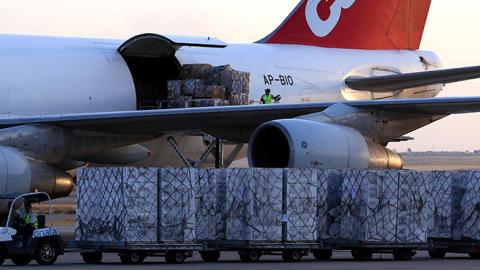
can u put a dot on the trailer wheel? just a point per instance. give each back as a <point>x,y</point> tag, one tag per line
<point>292,255</point>
<point>322,254</point>
<point>250,255</point>
<point>403,254</point>
<point>474,255</point>
<point>46,253</point>
<point>92,257</point>
<point>437,254</point>
<point>362,254</point>
<point>210,256</point>
<point>132,257</point>
<point>175,257</point>
<point>21,259</point>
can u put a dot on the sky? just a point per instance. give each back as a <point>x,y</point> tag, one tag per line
<point>452,32</point>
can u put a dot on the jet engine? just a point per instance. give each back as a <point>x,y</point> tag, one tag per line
<point>18,173</point>
<point>296,143</point>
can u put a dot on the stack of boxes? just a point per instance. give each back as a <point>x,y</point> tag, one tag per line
<point>205,86</point>
<point>177,206</point>
<point>369,202</point>
<point>301,203</point>
<point>147,205</point>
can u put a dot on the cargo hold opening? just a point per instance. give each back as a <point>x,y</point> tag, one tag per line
<point>152,63</point>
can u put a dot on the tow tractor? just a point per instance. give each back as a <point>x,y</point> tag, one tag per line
<point>45,244</point>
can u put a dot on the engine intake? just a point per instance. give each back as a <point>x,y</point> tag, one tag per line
<point>296,143</point>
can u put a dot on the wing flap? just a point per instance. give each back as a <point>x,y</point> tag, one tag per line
<point>411,80</point>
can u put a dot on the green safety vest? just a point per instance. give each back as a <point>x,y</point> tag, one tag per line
<point>26,220</point>
<point>267,99</point>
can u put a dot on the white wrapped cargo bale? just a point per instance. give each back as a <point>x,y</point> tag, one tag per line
<point>197,71</point>
<point>329,201</point>
<point>447,190</point>
<point>235,82</point>
<point>413,211</point>
<point>174,89</point>
<point>253,204</point>
<point>265,220</point>
<point>239,99</point>
<point>207,102</point>
<point>302,191</point>
<point>211,91</point>
<point>369,201</point>
<point>177,204</point>
<point>190,87</point>
<point>117,204</point>
<point>210,201</point>
<point>470,219</point>
<point>238,204</point>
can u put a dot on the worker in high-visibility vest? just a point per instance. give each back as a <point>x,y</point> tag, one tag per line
<point>267,98</point>
<point>30,223</point>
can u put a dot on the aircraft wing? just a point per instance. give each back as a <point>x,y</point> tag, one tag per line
<point>237,119</point>
<point>412,80</point>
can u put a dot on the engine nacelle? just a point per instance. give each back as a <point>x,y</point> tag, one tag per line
<point>21,174</point>
<point>296,143</point>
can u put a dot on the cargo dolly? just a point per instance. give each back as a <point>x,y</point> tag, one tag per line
<point>92,252</point>
<point>364,250</point>
<point>438,247</point>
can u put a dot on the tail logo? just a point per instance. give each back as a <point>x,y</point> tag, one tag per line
<point>323,15</point>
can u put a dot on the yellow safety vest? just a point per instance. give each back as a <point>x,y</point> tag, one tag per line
<point>26,220</point>
<point>267,99</point>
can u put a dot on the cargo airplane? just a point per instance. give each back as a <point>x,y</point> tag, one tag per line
<point>350,73</point>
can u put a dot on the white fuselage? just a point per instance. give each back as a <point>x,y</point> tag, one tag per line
<point>50,75</point>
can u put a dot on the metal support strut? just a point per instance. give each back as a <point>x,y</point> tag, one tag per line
<point>215,146</point>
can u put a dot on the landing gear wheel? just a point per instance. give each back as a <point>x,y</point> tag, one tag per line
<point>362,254</point>
<point>132,257</point>
<point>175,257</point>
<point>92,257</point>
<point>46,253</point>
<point>210,256</point>
<point>322,254</point>
<point>437,254</point>
<point>21,259</point>
<point>403,254</point>
<point>474,255</point>
<point>292,255</point>
<point>250,255</point>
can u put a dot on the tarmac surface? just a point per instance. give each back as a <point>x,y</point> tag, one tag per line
<point>230,261</point>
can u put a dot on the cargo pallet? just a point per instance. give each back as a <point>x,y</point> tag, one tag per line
<point>249,251</point>
<point>364,250</point>
<point>439,247</point>
<point>92,252</point>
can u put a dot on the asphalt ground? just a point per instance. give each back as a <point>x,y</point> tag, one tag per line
<point>230,261</point>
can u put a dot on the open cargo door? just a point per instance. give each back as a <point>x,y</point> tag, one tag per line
<point>152,62</point>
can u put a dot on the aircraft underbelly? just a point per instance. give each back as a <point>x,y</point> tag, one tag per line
<point>163,155</point>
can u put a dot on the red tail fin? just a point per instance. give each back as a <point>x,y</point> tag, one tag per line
<point>355,24</point>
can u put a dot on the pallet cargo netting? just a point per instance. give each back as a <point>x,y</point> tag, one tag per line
<point>159,205</point>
